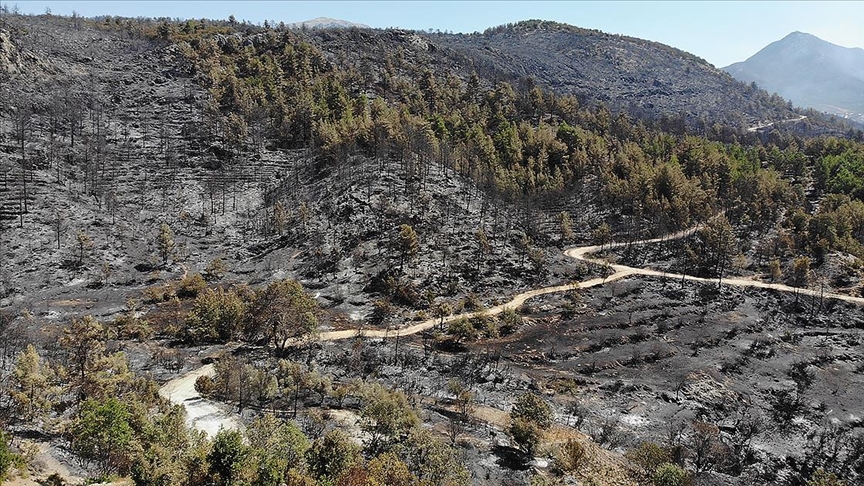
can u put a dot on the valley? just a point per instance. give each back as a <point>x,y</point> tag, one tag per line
<point>235,254</point>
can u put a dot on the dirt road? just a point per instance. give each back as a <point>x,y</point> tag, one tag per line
<point>621,271</point>
<point>205,415</point>
<point>771,124</point>
<point>208,416</point>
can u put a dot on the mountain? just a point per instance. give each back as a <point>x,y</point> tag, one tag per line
<point>810,72</point>
<point>325,23</point>
<point>644,78</point>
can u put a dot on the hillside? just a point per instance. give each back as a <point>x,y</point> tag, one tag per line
<point>641,77</point>
<point>142,157</point>
<point>422,266</point>
<point>810,72</point>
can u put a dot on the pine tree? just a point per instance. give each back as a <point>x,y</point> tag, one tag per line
<point>407,244</point>
<point>85,246</point>
<point>165,242</point>
<point>30,384</point>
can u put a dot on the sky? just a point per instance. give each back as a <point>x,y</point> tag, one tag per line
<point>721,32</point>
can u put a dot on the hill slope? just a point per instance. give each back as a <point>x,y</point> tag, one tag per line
<point>122,131</point>
<point>642,77</point>
<point>810,72</point>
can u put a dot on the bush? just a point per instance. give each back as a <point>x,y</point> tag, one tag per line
<point>472,302</point>
<point>646,459</point>
<point>191,286</point>
<point>462,330</point>
<point>204,385</point>
<point>215,270</point>
<point>215,316</point>
<point>102,435</point>
<point>526,434</point>
<point>331,455</point>
<point>54,480</point>
<point>510,322</point>
<point>405,293</point>
<point>227,457</point>
<point>543,480</point>
<point>822,478</point>
<point>533,408</point>
<point>530,416</point>
<point>157,294</point>
<point>130,327</point>
<point>785,405</point>
<point>669,475</point>
<point>571,457</point>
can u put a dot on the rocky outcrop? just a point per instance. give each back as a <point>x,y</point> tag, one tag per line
<point>15,61</point>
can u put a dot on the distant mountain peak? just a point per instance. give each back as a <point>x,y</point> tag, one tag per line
<point>810,72</point>
<point>799,38</point>
<point>326,23</point>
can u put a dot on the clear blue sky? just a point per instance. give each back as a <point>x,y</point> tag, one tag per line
<point>721,32</point>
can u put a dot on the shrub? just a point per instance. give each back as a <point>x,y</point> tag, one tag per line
<point>472,302</point>
<point>215,316</point>
<point>215,270</point>
<point>102,435</point>
<point>227,457</point>
<point>510,322</point>
<point>331,455</point>
<point>191,286</point>
<point>525,434</point>
<point>785,405</point>
<point>533,408</point>
<point>158,293</point>
<point>462,330</point>
<point>646,459</point>
<point>130,327</point>
<point>530,416</point>
<point>822,478</point>
<point>669,475</point>
<point>204,385</point>
<point>571,457</point>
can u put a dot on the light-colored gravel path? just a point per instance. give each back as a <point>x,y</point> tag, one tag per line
<point>205,415</point>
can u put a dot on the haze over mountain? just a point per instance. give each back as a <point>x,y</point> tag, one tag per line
<point>326,23</point>
<point>810,72</point>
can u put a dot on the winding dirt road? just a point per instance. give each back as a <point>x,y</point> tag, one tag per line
<point>621,271</point>
<point>209,416</point>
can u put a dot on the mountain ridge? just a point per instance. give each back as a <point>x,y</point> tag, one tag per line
<point>641,77</point>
